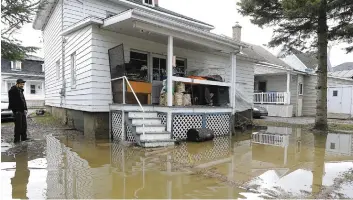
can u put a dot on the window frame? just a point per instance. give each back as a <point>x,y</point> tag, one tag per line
<point>11,83</point>
<point>147,4</point>
<point>300,89</point>
<point>32,89</point>
<point>73,69</point>
<point>14,65</point>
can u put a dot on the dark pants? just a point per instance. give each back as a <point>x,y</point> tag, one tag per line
<point>20,126</point>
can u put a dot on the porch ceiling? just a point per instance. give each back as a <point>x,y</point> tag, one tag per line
<point>129,24</point>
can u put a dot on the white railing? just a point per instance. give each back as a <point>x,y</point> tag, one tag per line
<point>124,78</point>
<point>269,139</point>
<point>271,98</point>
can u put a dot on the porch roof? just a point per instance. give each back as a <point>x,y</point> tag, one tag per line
<point>154,27</point>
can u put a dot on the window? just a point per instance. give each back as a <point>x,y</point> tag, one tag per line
<point>137,69</point>
<point>332,145</point>
<point>300,88</point>
<point>180,68</point>
<point>159,69</point>
<point>148,2</point>
<point>73,69</point>
<point>57,64</point>
<point>10,84</point>
<point>33,89</point>
<point>16,65</point>
<point>335,93</point>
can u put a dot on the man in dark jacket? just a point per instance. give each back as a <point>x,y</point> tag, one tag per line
<point>17,103</point>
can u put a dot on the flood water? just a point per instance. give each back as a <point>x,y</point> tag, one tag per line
<point>277,163</point>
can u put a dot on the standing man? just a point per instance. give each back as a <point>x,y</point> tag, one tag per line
<point>18,105</point>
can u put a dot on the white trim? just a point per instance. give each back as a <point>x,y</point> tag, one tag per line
<point>203,82</point>
<point>4,73</point>
<point>81,24</point>
<point>300,61</point>
<point>73,69</point>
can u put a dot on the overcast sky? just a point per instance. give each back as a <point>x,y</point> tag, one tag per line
<point>220,13</point>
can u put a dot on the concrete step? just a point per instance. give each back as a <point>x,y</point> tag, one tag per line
<point>143,115</point>
<point>155,136</point>
<point>146,121</point>
<point>150,129</point>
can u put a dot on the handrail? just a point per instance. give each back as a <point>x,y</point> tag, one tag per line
<point>138,101</point>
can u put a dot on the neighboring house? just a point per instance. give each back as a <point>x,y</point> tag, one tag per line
<point>78,35</point>
<point>343,66</point>
<point>344,70</point>
<point>308,64</point>
<point>31,70</point>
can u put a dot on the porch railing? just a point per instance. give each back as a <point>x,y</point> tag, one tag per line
<point>124,78</point>
<point>269,139</point>
<point>271,98</point>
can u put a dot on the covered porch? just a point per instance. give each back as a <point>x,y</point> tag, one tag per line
<point>190,56</point>
<point>273,89</point>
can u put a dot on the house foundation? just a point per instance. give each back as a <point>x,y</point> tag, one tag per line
<point>94,125</point>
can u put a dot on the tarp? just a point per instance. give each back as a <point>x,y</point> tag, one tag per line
<point>241,102</point>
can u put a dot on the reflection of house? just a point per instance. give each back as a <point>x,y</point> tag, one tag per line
<point>31,70</point>
<point>339,144</point>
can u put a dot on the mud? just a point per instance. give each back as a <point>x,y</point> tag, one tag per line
<point>274,162</point>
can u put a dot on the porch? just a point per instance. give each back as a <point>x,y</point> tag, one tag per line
<point>137,96</point>
<point>275,89</point>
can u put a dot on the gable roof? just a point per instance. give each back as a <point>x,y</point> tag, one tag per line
<point>342,74</point>
<point>34,58</point>
<point>343,66</point>
<point>266,56</point>
<point>161,9</point>
<point>308,60</point>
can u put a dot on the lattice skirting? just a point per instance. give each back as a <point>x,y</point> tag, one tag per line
<point>181,123</point>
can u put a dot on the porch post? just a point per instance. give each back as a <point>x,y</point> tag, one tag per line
<point>170,71</point>
<point>233,65</point>
<point>170,82</point>
<point>288,88</point>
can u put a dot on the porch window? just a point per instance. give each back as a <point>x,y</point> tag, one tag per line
<point>180,67</point>
<point>33,89</point>
<point>137,69</point>
<point>73,69</point>
<point>159,69</point>
<point>300,89</point>
<point>148,2</point>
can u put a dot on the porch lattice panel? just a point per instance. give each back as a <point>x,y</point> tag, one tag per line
<point>163,118</point>
<point>183,122</point>
<point>117,120</point>
<point>219,123</point>
<point>129,136</point>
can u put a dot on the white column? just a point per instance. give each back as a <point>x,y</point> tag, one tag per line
<point>288,87</point>
<point>170,71</point>
<point>233,65</point>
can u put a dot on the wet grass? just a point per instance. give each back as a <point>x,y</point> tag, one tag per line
<point>333,127</point>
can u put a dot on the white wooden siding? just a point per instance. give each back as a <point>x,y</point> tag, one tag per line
<point>309,98</point>
<point>52,53</point>
<point>75,11</point>
<point>245,79</point>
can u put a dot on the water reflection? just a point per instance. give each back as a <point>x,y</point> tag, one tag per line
<point>20,180</point>
<point>273,162</point>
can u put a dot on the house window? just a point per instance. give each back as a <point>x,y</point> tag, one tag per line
<point>33,89</point>
<point>332,145</point>
<point>180,68</point>
<point>73,69</point>
<point>148,2</point>
<point>300,89</point>
<point>137,68</point>
<point>57,64</point>
<point>9,85</point>
<point>335,93</point>
<point>159,69</point>
<point>16,65</point>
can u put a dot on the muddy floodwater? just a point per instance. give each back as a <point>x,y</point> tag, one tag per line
<point>271,162</point>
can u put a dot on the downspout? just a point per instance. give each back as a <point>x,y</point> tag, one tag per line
<point>63,87</point>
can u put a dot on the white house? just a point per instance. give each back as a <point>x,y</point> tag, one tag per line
<point>140,34</point>
<point>32,71</point>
